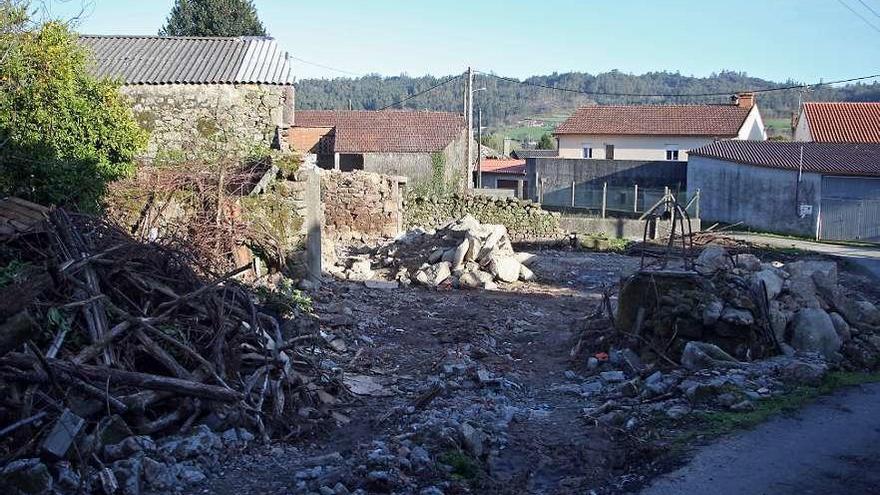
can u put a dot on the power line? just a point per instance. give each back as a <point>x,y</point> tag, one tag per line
<point>860,16</point>
<point>871,9</point>
<point>342,71</point>
<point>670,95</point>
<point>432,88</point>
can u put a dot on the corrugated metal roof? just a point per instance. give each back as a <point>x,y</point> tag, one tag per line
<point>189,60</point>
<point>847,159</point>
<point>843,122</point>
<point>667,120</point>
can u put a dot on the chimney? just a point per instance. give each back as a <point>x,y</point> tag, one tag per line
<point>508,147</point>
<point>745,100</point>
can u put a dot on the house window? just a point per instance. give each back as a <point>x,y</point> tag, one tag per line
<point>609,152</point>
<point>588,152</point>
<point>672,154</point>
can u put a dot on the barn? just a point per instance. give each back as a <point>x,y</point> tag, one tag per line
<point>819,190</point>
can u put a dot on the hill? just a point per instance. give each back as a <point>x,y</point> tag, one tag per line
<point>505,102</point>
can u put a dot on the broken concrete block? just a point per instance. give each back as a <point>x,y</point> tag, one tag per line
<point>713,259</point>
<point>63,434</point>
<point>525,274</point>
<point>505,268</point>
<point>700,355</point>
<point>381,284</point>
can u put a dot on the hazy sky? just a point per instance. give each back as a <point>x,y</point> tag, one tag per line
<point>806,40</point>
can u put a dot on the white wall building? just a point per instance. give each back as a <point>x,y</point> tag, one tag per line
<point>656,132</point>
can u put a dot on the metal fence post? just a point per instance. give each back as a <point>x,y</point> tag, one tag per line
<point>636,199</point>
<point>697,206</point>
<point>604,197</point>
<point>572,193</point>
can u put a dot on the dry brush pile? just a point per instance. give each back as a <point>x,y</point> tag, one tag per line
<point>99,328</point>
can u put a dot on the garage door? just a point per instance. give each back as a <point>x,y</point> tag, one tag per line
<point>850,209</point>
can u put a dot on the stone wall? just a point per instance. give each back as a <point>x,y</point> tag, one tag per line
<point>524,219</point>
<point>361,205</point>
<point>192,117</point>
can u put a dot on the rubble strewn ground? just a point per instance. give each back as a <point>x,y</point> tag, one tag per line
<point>588,375</point>
<point>530,388</point>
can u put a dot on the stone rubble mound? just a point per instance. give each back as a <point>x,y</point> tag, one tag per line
<point>463,253</point>
<point>738,308</point>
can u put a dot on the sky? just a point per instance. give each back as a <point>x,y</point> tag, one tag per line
<point>802,40</point>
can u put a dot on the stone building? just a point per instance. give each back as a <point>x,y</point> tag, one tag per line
<point>197,92</point>
<point>421,146</point>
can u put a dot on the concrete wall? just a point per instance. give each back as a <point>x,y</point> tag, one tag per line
<point>621,228</point>
<point>419,167</point>
<point>557,175</point>
<point>759,197</point>
<point>630,147</point>
<point>189,117</point>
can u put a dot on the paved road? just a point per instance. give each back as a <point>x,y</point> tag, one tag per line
<point>866,257</point>
<point>831,448</point>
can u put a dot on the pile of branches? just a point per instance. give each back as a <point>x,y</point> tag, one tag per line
<point>100,325</point>
<point>195,201</point>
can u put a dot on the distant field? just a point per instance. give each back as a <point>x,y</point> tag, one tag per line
<point>778,127</point>
<point>527,133</point>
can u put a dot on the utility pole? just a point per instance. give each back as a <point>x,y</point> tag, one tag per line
<point>480,149</point>
<point>469,97</point>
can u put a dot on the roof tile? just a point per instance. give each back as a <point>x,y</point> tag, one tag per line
<point>666,120</point>
<point>843,122</point>
<point>850,159</point>
<point>389,131</point>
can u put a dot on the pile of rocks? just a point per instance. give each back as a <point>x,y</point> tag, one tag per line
<point>132,463</point>
<point>747,309</point>
<point>463,253</point>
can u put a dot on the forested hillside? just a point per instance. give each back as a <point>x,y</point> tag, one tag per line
<point>504,101</point>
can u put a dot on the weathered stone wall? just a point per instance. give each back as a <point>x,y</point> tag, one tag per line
<point>191,117</point>
<point>523,219</point>
<point>361,205</point>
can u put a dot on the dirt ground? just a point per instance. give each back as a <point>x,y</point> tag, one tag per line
<point>441,361</point>
<point>521,336</point>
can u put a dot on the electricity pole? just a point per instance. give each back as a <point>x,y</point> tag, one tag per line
<point>469,113</point>
<point>480,149</point>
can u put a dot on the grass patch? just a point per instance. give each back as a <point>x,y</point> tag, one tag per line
<point>463,466</point>
<point>722,422</point>
<point>601,242</point>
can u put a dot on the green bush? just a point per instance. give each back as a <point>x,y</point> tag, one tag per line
<point>64,134</point>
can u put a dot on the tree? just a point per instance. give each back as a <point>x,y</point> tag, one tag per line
<point>64,134</point>
<point>546,143</point>
<point>213,18</point>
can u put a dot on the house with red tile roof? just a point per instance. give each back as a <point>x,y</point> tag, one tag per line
<point>838,122</point>
<point>656,132</point>
<point>408,143</point>
<point>821,190</point>
<point>504,173</point>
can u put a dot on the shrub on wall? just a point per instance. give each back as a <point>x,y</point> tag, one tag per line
<point>64,134</point>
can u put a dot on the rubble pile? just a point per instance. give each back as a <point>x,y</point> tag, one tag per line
<point>122,367</point>
<point>737,308</point>
<point>463,253</point>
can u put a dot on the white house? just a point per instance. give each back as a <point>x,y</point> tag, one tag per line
<point>656,132</point>
<point>838,122</point>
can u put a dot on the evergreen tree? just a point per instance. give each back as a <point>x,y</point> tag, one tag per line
<point>213,18</point>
